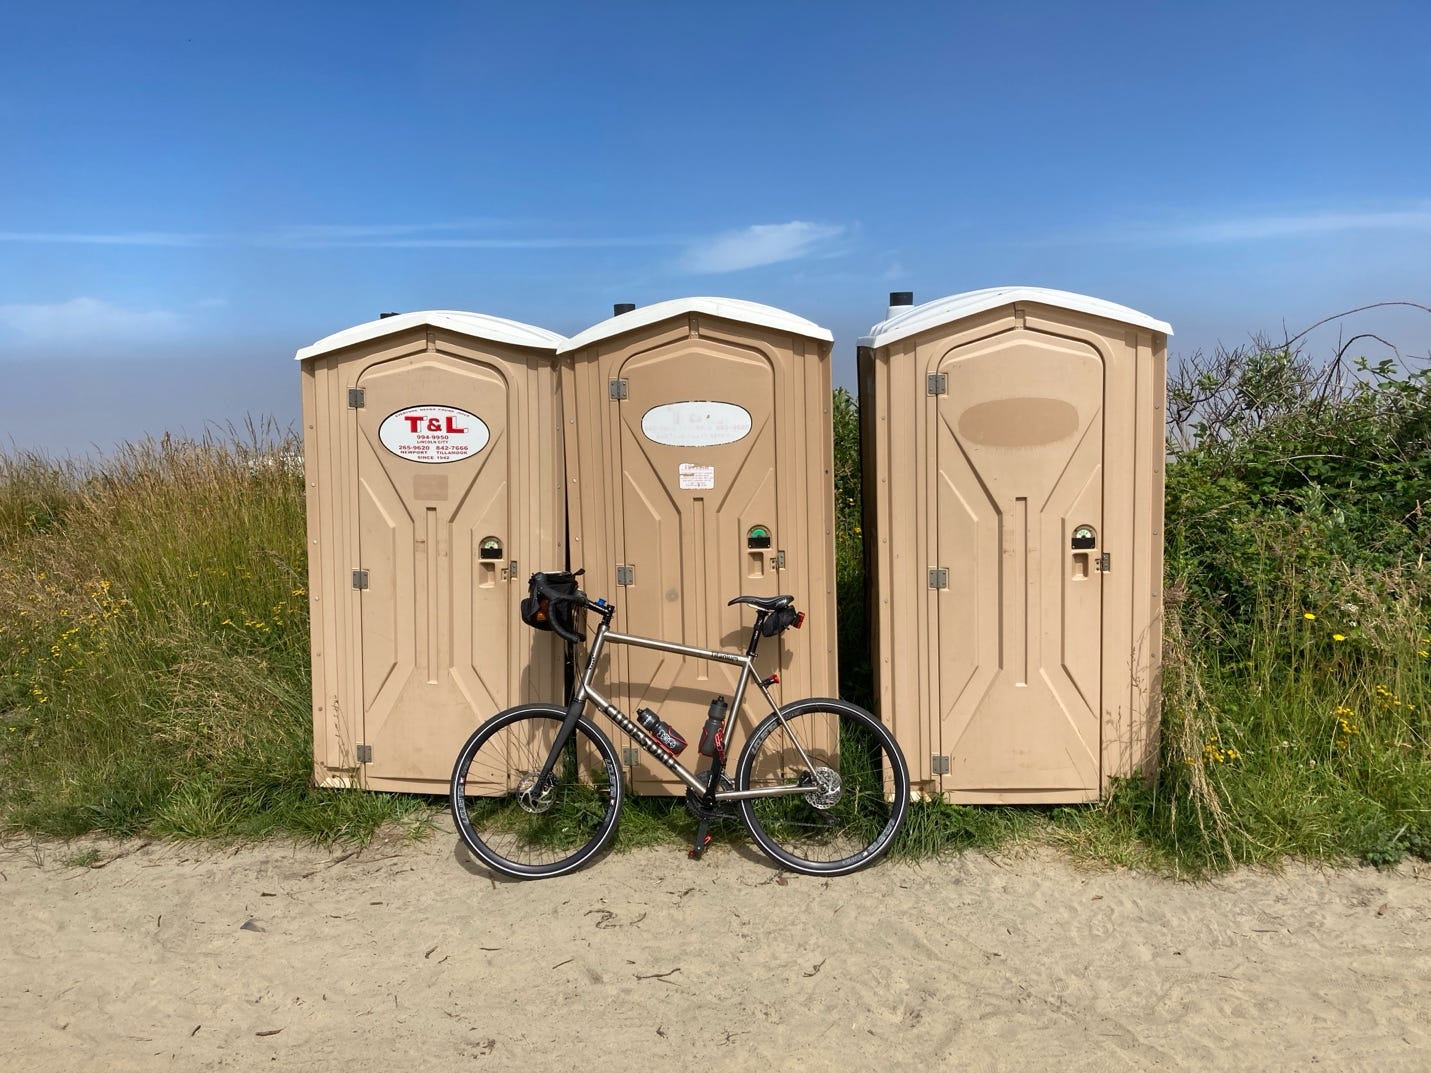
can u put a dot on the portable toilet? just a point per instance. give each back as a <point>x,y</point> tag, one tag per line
<point>699,445</point>
<point>433,460</point>
<point>1013,451</point>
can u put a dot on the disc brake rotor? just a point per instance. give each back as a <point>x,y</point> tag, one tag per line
<point>827,788</point>
<point>529,799</point>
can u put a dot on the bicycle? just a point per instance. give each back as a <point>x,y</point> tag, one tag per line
<point>536,791</point>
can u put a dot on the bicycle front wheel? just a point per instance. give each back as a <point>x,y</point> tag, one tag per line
<point>855,787</point>
<point>514,823</point>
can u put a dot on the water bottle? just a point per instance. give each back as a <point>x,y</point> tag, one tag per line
<point>663,732</point>
<point>713,733</point>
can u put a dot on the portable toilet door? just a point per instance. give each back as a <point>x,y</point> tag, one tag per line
<point>1014,437</point>
<point>699,441</point>
<point>432,452</point>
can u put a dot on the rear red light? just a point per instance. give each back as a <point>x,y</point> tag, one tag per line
<point>799,620</point>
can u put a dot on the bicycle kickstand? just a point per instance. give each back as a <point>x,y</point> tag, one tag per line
<point>703,839</point>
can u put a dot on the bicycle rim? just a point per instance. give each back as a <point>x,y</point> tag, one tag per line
<point>517,827</point>
<point>857,779</point>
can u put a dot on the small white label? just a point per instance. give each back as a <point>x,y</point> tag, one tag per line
<point>696,424</point>
<point>693,476</point>
<point>434,434</point>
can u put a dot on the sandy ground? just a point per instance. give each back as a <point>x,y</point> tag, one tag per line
<point>413,957</point>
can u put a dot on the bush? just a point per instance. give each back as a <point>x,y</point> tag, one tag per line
<point>1296,670</point>
<point>154,667</point>
<point>154,664</point>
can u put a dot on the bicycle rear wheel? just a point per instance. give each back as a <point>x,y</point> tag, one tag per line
<point>522,829</point>
<point>858,787</point>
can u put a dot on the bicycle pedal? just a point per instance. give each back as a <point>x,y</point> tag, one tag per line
<point>697,851</point>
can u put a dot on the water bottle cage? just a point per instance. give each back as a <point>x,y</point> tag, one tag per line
<point>713,744</point>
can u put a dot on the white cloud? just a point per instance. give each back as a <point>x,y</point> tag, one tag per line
<point>1273,226</point>
<point>87,320</point>
<point>462,243</point>
<point>760,244</point>
<point>452,235</point>
<point>114,238</point>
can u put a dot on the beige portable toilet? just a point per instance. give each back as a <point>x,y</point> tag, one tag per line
<point>699,444</point>
<point>1013,455</point>
<point>432,454</point>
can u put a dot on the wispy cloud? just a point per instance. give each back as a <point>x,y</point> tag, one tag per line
<point>751,247</point>
<point>760,244</point>
<point>114,238</point>
<point>86,320</point>
<point>558,243</point>
<point>1257,228</point>
<point>473,235</point>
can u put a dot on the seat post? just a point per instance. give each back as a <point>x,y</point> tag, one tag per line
<point>750,649</point>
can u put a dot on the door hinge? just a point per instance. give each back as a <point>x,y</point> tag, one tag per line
<point>939,764</point>
<point>1105,563</point>
<point>938,577</point>
<point>626,575</point>
<point>630,755</point>
<point>356,398</point>
<point>616,389</point>
<point>780,559</point>
<point>360,579</point>
<point>938,383</point>
<point>365,754</point>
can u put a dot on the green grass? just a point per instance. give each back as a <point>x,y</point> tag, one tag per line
<point>154,669</point>
<point>154,647</point>
<point>1317,744</point>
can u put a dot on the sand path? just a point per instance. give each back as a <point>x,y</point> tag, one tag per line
<point>410,957</point>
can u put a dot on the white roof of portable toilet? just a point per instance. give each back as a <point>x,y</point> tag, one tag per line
<point>943,310</point>
<point>477,325</point>
<point>729,308</point>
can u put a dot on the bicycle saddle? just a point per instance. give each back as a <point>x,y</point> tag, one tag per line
<point>765,603</point>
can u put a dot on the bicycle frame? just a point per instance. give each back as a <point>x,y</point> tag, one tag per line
<point>584,692</point>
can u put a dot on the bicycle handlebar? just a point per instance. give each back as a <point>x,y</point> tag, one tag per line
<point>555,599</point>
<point>774,614</point>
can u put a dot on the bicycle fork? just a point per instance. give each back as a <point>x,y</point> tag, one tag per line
<point>574,708</point>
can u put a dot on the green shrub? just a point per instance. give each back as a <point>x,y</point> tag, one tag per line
<point>1295,671</point>
<point>856,671</point>
<point>154,667</point>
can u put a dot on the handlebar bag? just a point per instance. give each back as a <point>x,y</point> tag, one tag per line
<point>538,607</point>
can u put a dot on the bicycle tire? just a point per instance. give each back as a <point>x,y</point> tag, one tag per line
<point>834,829</point>
<point>529,836</point>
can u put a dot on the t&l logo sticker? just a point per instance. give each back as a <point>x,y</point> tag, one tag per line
<point>433,434</point>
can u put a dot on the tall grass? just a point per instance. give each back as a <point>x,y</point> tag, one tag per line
<point>1312,740</point>
<point>154,645</point>
<point>154,658</point>
<point>1298,621</point>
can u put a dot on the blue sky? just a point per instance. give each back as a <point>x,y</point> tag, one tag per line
<point>191,192</point>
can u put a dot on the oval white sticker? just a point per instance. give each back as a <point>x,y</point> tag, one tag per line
<point>696,424</point>
<point>434,434</point>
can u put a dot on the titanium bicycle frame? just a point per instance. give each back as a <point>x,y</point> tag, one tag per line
<point>584,692</point>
